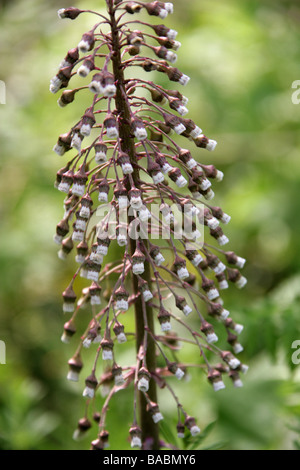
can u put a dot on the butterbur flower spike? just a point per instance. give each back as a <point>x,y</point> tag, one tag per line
<point>127,176</point>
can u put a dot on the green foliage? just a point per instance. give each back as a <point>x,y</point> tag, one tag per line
<point>243,58</point>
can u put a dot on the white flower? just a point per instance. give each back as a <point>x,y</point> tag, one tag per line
<point>213,223</point>
<point>238,348</point>
<point>95,87</point>
<point>181,182</point>
<point>234,363</point>
<point>219,175</point>
<point>241,282</point>
<point>100,157</point>
<point>172,34</point>
<point>163,13</point>
<point>169,7</point>
<point>157,417</point>
<point>223,284</point>
<point>92,275</point>
<point>64,187</point>
<point>136,442</point>
<point>219,385</point>
<point>191,163</point>
<point>136,202</point>
<point>127,168</point>
<point>107,354</point>
<point>211,145</point>
<point>123,202</point>
<point>140,133</point>
<point>171,57</point>
<point>79,259</point>
<point>68,307</point>
<point>76,142</point>
<point>109,90</point>
<point>194,430</point>
<point>212,294</point>
<point>122,304</point>
<point>212,338</point>
<point>240,262</point>
<point>83,71</point>
<point>102,197</point>
<point>143,384</point>
<point>83,46</point>
<point>159,259</point>
<point>61,13</point>
<point>166,168</point>
<point>112,132</point>
<point>59,149</point>
<point>95,300</point>
<point>179,129</point>
<point>122,239</point>
<point>144,214</point>
<point>85,130</point>
<point>166,326</point>
<point>225,314</point>
<point>205,184</point>
<point>196,132</point>
<point>184,80</point>
<point>85,212</point>
<point>210,195</point>
<point>88,392</point>
<point>121,338</point>
<point>197,260</point>
<point>183,273</point>
<point>223,240</point>
<point>119,380</point>
<point>187,310</point>
<point>225,219</point>
<point>238,328</point>
<point>147,295</point>
<point>55,84</point>
<point>73,376</point>
<point>219,268</point>
<point>158,178</point>
<point>138,268</point>
<point>179,373</point>
<point>78,189</point>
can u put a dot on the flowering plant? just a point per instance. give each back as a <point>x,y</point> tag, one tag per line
<point>124,187</point>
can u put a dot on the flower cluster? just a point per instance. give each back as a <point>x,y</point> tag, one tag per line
<point>125,163</point>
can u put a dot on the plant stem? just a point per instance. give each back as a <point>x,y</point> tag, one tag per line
<point>150,432</point>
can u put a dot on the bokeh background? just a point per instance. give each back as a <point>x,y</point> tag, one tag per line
<point>243,58</point>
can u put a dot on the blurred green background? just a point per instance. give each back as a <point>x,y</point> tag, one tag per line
<point>243,58</point>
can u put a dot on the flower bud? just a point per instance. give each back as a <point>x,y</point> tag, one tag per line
<point>100,152</point>
<point>182,305</point>
<point>121,298</point>
<point>107,346</point>
<point>215,378</point>
<point>90,386</point>
<point>190,423</point>
<point>144,377</point>
<point>119,332</point>
<point>83,426</point>
<point>75,366</point>
<point>111,126</point>
<point>87,42</point>
<point>164,320</point>
<point>70,13</point>
<point>69,332</point>
<point>124,161</point>
<point>138,260</point>
<point>136,436</point>
<point>82,251</point>
<point>69,297</point>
